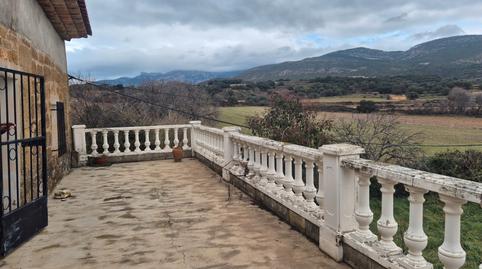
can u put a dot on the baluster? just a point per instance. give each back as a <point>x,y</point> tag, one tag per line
<point>310,190</point>
<point>157,141</point>
<point>147,143</point>
<point>298,185</point>
<point>271,173</point>
<point>116,142</point>
<point>251,162</point>
<point>167,146</point>
<point>320,195</point>
<point>105,144</point>
<point>387,226</point>
<point>263,170</point>
<point>176,137</point>
<point>137,142</point>
<point>363,213</point>
<point>279,172</point>
<point>127,144</point>
<point>257,165</point>
<point>451,253</point>
<point>288,180</point>
<point>415,238</point>
<point>185,146</point>
<point>94,146</point>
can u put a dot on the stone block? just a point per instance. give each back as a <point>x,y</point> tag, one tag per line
<point>297,221</point>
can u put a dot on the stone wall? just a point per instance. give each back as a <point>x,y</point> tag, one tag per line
<point>20,53</point>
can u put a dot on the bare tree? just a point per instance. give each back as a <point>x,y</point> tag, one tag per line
<point>458,98</point>
<point>478,102</point>
<point>381,137</point>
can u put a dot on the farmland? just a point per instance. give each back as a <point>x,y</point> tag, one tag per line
<point>435,130</point>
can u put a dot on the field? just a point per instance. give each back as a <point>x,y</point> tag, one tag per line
<point>359,97</point>
<point>436,130</point>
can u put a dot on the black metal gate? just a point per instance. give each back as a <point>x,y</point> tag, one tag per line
<point>23,161</point>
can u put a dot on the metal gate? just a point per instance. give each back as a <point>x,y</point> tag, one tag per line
<point>23,162</point>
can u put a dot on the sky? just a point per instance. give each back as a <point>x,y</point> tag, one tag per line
<point>130,37</point>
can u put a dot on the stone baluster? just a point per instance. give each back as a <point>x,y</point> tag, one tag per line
<point>94,146</point>
<point>320,195</point>
<point>167,142</point>
<point>176,137</point>
<point>147,143</point>
<point>298,185</point>
<point>271,173</point>
<point>288,180</point>
<point>105,145</point>
<point>310,190</point>
<point>137,142</point>
<point>263,170</point>
<point>116,142</point>
<point>257,165</point>
<point>387,226</point>
<point>185,146</point>
<point>363,213</point>
<point>415,238</point>
<point>127,144</point>
<point>279,178</point>
<point>251,161</point>
<point>451,253</point>
<point>157,141</point>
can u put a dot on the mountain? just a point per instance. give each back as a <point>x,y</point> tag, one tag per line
<point>457,56</point>
<point>178,75</point>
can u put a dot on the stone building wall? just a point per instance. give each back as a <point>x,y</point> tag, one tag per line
<point>18,52</point>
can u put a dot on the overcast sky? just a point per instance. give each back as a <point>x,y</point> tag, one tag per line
<point>223,35</point>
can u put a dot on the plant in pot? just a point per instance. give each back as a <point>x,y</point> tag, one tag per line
<point>177,153</point>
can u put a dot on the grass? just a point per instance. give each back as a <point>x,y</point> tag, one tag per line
<point>471,231</point>
<point>358,97</point>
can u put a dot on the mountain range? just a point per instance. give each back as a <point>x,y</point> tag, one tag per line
<point>456,56</point>
<point>187,76</point>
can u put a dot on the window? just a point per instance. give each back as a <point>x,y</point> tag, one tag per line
<point>62,140</point>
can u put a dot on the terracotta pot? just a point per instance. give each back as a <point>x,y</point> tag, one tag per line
<point>177,153</point>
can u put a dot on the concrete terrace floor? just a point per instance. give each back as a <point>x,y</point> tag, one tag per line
<point>161,214</point>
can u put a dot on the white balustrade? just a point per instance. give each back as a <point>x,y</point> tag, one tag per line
<point>116,142</point>
<point>105,145</point>
<point>271,173</point>
<point>363,213</point>
<point>451,253</point>
<point>167,146</point>
<point>387,226</point>
<point>310,190</point>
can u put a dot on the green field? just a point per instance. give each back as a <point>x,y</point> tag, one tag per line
<point>451,130</point>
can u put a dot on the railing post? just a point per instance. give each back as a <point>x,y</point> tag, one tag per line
<point>228,149</point>
<point>80,145</point>
<point>194,135</point>
<point>339,200</point>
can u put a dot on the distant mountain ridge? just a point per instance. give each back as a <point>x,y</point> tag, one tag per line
<point>457,56</point>
<point>187,76</point>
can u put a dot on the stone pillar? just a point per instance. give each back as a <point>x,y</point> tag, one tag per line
<point>228,149</point>
<point>194,124</point>
<point>80,145</point>
<point>339,201</point>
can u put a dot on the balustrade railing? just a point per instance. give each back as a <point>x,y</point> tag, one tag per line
<point>120,141</point>
<point>329,186</point>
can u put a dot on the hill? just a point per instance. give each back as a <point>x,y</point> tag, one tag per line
<point>457,56</point>
<point>187,76</point>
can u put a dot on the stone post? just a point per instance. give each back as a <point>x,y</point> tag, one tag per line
<point>194,124</point>
<point>80,145</point>
<point>228,149</point>
<point>339,201</point>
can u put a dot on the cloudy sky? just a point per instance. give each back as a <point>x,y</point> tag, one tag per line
<point>223,35</point>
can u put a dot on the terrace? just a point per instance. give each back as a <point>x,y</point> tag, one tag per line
<point>202,212</point>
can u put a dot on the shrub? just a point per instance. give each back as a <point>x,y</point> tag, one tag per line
<point>366,106</point>
<point>461,164</point>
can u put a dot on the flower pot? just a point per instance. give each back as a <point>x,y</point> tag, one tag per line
<point>177,153</point>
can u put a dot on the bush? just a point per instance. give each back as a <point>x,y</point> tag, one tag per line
<point>412,95</point>
<point>286,121</point>
<point>366,106</point>
<point>461,164</point>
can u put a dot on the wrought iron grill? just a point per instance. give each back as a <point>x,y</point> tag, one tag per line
<point>23,159</point>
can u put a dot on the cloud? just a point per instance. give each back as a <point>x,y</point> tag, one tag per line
<point>444,31</point>
<point>152,35</point>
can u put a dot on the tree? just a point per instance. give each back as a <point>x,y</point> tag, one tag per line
<point>412,95</point>
<point>381,137</point>
<point>478,102</point>
<point>286,121</point>
<point>366,106</point>
<point>458,99</point>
